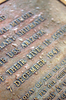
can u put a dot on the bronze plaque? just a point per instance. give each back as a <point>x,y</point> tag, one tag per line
<point>32,50</point>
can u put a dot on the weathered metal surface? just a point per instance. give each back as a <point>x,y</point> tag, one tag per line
<point>32,50</point>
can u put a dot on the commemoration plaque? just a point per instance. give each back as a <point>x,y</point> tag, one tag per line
<point>33,50</point>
